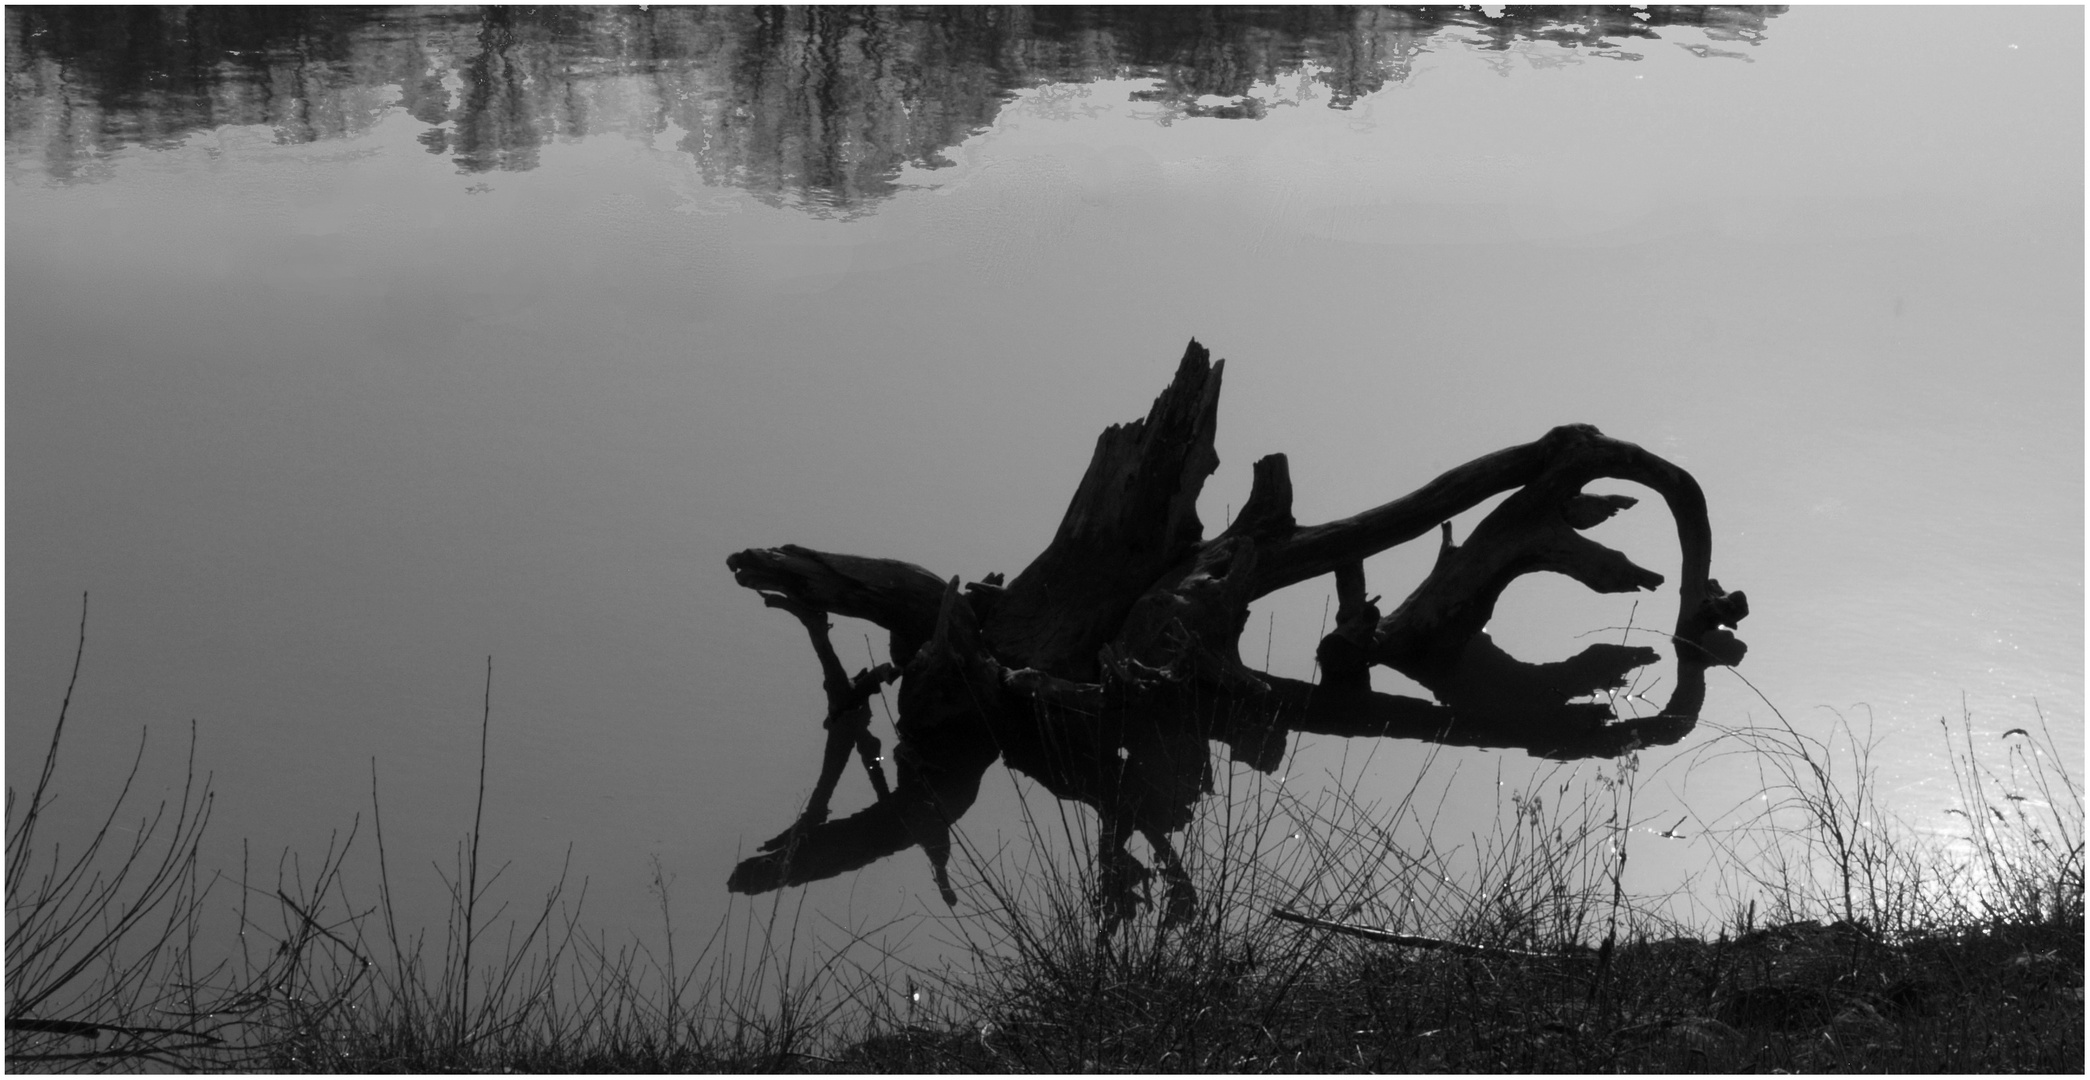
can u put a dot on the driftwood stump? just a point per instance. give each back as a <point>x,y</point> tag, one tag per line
<point>1110,664</point>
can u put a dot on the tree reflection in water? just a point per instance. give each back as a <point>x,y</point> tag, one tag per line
<point>818,108</point>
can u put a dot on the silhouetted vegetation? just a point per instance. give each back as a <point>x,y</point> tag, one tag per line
<point>814,107</point>
<point>1848,942</point>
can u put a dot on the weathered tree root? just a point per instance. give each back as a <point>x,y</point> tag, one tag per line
<point>1110,664</point>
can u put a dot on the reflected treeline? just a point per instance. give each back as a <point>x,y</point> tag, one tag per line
<point>817,107</point>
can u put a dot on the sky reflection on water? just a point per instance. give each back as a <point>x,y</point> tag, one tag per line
<point>345,350</point>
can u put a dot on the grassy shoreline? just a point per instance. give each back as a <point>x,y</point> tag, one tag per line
<point>1849,942</point>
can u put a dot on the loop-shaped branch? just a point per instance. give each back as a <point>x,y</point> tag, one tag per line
<point>1109,664</point>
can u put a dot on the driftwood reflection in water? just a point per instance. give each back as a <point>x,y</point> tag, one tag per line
<point>1107,667</point>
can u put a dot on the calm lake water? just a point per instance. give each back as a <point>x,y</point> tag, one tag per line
<point>346,349</point>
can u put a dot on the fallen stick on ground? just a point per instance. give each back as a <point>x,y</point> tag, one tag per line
<point>1414,942</point>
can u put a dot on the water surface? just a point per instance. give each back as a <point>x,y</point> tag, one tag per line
<point>348,347</point>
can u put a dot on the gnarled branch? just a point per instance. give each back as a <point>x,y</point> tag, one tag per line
<point>1107,667</point>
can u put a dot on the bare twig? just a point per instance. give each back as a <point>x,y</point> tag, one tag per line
<point>1412,941</point>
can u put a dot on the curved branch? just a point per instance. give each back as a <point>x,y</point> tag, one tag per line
<point>1435,636</point>
<point>900,596</point>
<point>1107,667</point>
<point>1309,551</point>
<point>826,849</point>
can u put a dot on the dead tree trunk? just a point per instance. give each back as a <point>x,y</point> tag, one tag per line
<point>1107,667</point>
